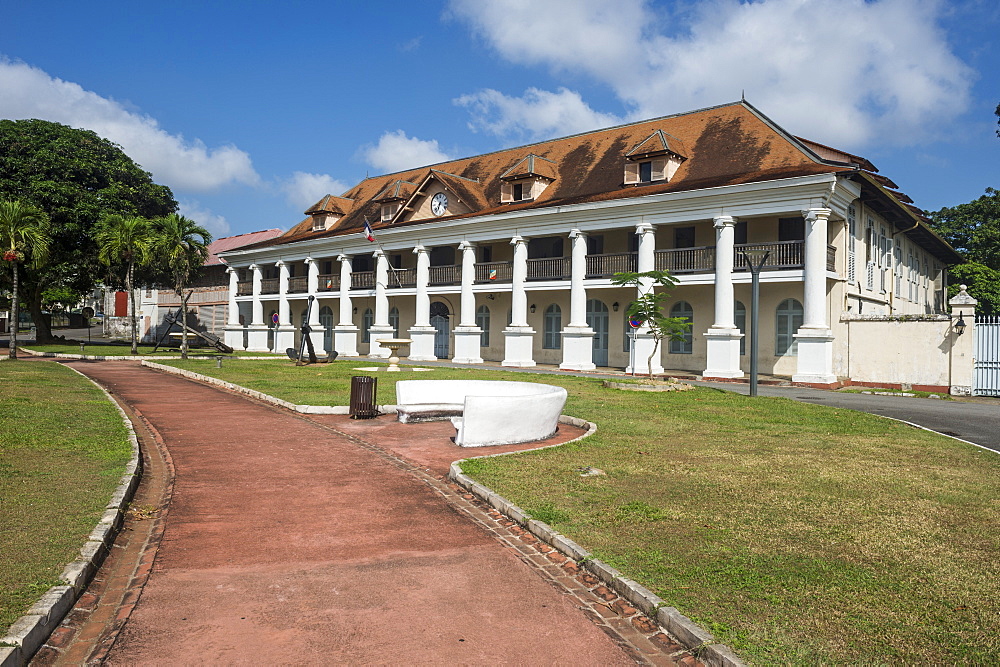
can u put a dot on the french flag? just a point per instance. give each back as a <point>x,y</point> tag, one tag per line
<point>368,232</point>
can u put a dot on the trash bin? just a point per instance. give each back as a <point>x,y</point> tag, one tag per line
<point>363,397</point>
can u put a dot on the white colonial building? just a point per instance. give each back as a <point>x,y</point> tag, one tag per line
<point>509,256</point>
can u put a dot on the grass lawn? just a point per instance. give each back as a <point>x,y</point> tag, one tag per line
<point>58,469</point>
<point>125,349</point>
<point>796,533</point>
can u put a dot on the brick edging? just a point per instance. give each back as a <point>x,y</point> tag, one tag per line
<point>28,633</point>
<point>692,636</point>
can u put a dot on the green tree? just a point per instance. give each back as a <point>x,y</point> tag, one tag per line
<point>126,241</point>
<point>648,308</point>
<point>76,177</point>
<point>24,237</point>
<point>182,247</point>
<point>973,229</point>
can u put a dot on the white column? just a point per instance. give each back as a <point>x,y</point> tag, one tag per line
<point>519,337</point>
<point>814,340</point>
<point>233,336</point>
<point>284,333</point>
<point>345,334</point>
<point>380,329</point>
<point>312,287</point>
<point>577,336</point>
<point>422,333</point>
<point>723,338</point>
<point>467,335</point>
<point>643,343</point>
<point>257,335</point>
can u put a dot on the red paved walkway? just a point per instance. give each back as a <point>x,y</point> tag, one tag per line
<point>287,543</point>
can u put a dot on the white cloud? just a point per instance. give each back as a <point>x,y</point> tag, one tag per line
<point>847,72</point>
<point>189,165</point>
<point>538,114</point>
<point>397,152</point>
<point>304,189</point>
<point>216,224</point>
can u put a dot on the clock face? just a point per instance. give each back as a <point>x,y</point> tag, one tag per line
<point>439,204</point>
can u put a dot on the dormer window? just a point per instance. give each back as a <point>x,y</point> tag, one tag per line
<point>389,210</point>
<point>328,211</point>
<point>520,190</point>
<point>526,179</point>
<point>517,190</point>
<point>654,159</point>
<point>321,223</point>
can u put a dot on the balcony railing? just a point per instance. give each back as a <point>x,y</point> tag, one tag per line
<point>362,280</point>
<point>298,285</point>
<point>781,254</point>
<point>445,275</point>
<point>494,272</point>
<point>607,265</point>
<point>269,286</point>
<point>402,278</point>
<point>244,288</point>
<point>549,268</point>
<point>328,282</point>
<point>685,260</point>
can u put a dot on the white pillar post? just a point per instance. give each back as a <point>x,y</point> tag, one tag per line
<point>643,341</point>
<point>284,332</point>
<point>467,334</point>
<point>312,288</point>
<point>519,337</point>
<point>422,333</point>
<point>723,338</point>
<point>257,335</point>
<point>381,328</point>
<point>234,330</point>
<point>814,340</point>
<point>577,336</point>
<point>962,362</point>
<point>345,334</point>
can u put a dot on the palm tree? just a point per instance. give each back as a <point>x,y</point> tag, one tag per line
<point>126,240</point>
<point>182,244</point>
<point>24,231</point>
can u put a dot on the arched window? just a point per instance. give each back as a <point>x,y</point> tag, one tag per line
<point>394,321</point>
<point>367,320</point>
<point>553,325</point>
<point>788,319</point>
<point>483,322</point>
<point>685,346</point>
<point>740,319</point>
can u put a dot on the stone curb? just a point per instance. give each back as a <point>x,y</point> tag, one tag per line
<point>129,357</point>
<point>32,630</point>
<point>693,637</point>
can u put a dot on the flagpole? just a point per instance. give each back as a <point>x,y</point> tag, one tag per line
<point>371,237</point>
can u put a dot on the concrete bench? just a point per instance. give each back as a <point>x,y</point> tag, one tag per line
<point>485,412</point>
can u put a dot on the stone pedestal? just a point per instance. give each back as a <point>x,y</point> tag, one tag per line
<point>284,338</point>
<point>422,347</point>
<point>518,343</point>
<point>723,353</point>
<point>233,337</point>
<point>345,340</point>
<point>578,349</point>
<point>257,338</point>
<point>644,344</point>
<point>467,345</point>
<point>375,334</point>
<point>815,357</point>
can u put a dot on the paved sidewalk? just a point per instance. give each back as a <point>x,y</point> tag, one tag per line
<point>293,540</point>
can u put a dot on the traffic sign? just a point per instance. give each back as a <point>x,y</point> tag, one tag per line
<point>274,318</point>
<point>634,322</point>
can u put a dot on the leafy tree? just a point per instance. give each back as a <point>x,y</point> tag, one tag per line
<point>973,229</point>
<point>76,177</point>
<point>182,246</point>
<point>648,308</point>
<point>127,241</point>
<point>24,236</point>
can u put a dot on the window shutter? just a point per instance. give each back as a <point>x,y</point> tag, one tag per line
<point>852,275</point>
<point>659,171</point>
<point>631,172</point>
<point>506,192</point>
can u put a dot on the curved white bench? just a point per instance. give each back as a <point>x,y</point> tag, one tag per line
<point>485,412</point>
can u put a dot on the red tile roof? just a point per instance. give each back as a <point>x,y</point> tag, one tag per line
<point>227,243</point>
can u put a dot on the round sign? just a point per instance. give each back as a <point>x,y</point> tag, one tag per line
<point>274,318</point>
<point>634,322</point>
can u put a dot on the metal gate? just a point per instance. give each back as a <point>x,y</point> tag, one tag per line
<point>986,371</point>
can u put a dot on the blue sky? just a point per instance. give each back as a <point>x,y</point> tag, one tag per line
<point>252,111</point>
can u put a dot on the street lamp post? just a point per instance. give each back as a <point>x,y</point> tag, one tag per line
<point>754,312</point>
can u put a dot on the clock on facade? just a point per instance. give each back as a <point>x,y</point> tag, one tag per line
<point>439,204</point>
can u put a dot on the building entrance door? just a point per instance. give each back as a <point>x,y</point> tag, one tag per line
<point>599,320</point>
<point>326,321</point>
<point>439,320</point>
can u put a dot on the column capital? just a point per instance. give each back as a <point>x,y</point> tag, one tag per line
<point>280,263</point>
<point>517,238</point>
<point>576,233</point>
<point>723,221</point>
<point>378,253</point>
<point>420,248</point>
<point>464,245</point>
<point>814,213</point>
<point>343,258</point>
<point>254,267</point>
<point>644,228</point>
<point>309,260</point>
<point>232,269</point>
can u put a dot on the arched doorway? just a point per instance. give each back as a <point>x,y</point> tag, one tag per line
<point>439,320</point>
<point>599,320</point>
<point>326,321</point>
